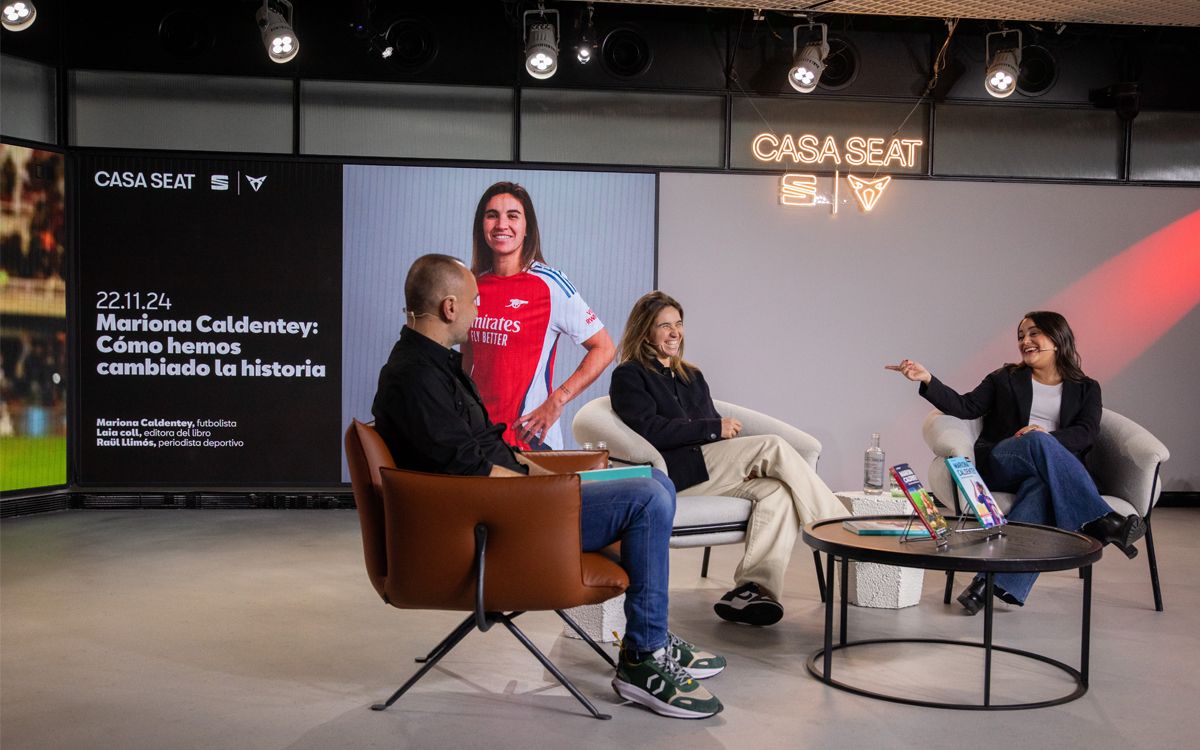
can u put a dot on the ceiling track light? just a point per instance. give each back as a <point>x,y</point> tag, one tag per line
<point>1003,64</point>
<point>808,62</point>
<point>541,43</point>
<point>274,20</point>
<point>18,16</point>
<point>586,49</point>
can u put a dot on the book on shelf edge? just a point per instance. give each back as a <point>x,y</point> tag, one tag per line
<point>889,527</point>
<point>922,502</point>
<point>972,487</point>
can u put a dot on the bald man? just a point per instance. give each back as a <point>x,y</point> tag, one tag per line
<point>430,414</point>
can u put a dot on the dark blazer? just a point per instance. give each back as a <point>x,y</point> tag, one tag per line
<point>1004,399</point>
<point>674,416</point>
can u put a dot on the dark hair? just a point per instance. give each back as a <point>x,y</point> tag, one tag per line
<point>1055,327</point>
<point>531,247</point>
<point>431,278</point>
<point>635,344</point>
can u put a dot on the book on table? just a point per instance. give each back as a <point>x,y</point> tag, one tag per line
<point>973,488</point>
<point>885,527</point>
<point>922,503</point>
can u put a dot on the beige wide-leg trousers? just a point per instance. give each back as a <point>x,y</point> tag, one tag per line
<point>785,491</point>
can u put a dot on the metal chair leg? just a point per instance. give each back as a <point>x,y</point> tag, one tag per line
<point>436,652</point>
<point>949,586</point>
<point>441,650</point>
<point>580,632</point>
<point>704,563</point>
<point>1158,602</point>
<point>549,665</point>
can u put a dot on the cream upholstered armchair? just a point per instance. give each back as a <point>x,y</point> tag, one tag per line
<point>701,520</point>
<point>1124,461</point>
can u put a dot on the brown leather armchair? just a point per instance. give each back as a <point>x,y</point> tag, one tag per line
<point>492,547</point>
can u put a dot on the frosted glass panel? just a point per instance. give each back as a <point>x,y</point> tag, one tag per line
<point>28,95</point>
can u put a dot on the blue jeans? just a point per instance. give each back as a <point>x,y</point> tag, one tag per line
<point>639,513</point>
<point>1053,489</point>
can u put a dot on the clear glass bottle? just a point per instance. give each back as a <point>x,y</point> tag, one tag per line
<point>873,479</point>
<point>603,446</point>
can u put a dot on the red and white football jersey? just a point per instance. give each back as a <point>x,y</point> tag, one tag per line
<point>515,337</point>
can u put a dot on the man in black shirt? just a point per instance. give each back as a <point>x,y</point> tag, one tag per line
<point>429,413</point>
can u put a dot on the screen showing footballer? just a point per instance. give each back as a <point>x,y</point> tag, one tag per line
<point>209,320</point>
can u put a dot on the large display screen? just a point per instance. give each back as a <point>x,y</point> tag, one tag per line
<point>33,319</point>
<point>209,321</point>
<point>234,315</point>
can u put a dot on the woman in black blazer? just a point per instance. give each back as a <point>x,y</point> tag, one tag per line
<point>1040,418</point>
<point>666,400</point>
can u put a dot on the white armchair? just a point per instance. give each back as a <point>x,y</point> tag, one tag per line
<point>700,520</point>
<point>1124,461</point>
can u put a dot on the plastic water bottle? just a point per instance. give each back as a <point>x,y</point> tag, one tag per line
<point>873,481</point>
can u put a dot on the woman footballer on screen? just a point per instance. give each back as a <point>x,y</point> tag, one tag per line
<point>525,306</point>
<point>1040,418</point>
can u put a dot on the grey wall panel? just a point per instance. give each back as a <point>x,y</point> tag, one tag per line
<point>794,311</point>
<point>409,121</point>
<point>28,93</point>
<point>1004,141</point>
<point>195,113</point>
<point>1166,146</point>
<point>602,127</point>
<point>843,120</point>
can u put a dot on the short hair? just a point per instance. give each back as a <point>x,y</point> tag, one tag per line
<point>635,346</point>
<point>482,259</point>
<point>431,278</point>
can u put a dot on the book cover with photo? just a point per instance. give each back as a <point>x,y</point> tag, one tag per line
<point>922,502</point>
<point>973,488</point>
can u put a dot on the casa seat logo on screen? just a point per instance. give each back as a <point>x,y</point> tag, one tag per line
<point>179,181</point>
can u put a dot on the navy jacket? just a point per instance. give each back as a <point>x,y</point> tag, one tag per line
<point>674,416</point>
<point>1004,399</point>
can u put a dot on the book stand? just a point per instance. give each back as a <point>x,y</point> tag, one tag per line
<point>988,531</point>
<point>907,537</point>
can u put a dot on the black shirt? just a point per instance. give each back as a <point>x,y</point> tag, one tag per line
<point>430,414</point>
<point>675,417</point>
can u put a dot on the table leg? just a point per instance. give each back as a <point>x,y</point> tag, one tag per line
<point>845,583</point>
<point>1086,639</point>
<point>987,639</point>
<point>829,618</point>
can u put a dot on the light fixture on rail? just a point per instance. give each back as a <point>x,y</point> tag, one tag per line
<point>808,62</point>
<point>275,22</point>
<point>18,16</point>
<point>541,43</point>
<point>587,38</point>
<point>1003,64</point>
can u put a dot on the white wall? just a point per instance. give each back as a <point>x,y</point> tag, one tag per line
<point>794,311</point>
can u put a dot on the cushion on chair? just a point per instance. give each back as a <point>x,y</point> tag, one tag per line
<point>366,454</point>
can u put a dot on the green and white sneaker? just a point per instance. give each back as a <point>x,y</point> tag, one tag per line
<point>661,685</point>
<point>697,663</point>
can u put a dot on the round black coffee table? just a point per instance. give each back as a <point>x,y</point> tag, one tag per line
<point>1020,548</point>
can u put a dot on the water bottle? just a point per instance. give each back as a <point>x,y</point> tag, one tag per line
<point>873,481</point>
<point>603,446</point>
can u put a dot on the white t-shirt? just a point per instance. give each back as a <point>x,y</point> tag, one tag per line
<point>1047,404</point>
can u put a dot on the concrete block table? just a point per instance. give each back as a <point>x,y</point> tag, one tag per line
<point>873,584</point>
<point>599,620</point>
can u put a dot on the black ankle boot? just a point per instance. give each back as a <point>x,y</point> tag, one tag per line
<point>1120,531</point>
<point>972,596</point>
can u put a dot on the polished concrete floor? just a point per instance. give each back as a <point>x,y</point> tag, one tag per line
<point>259,629</point>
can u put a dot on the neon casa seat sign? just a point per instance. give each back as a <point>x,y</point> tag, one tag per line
<point>856,151</point>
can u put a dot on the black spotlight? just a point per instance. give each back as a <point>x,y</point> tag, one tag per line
<point>185,34</point>
<point>414,43</point>
<point>841,65</point>
<point>626,53</point>
<point>1125,98</point>
<point>1038,71</point>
